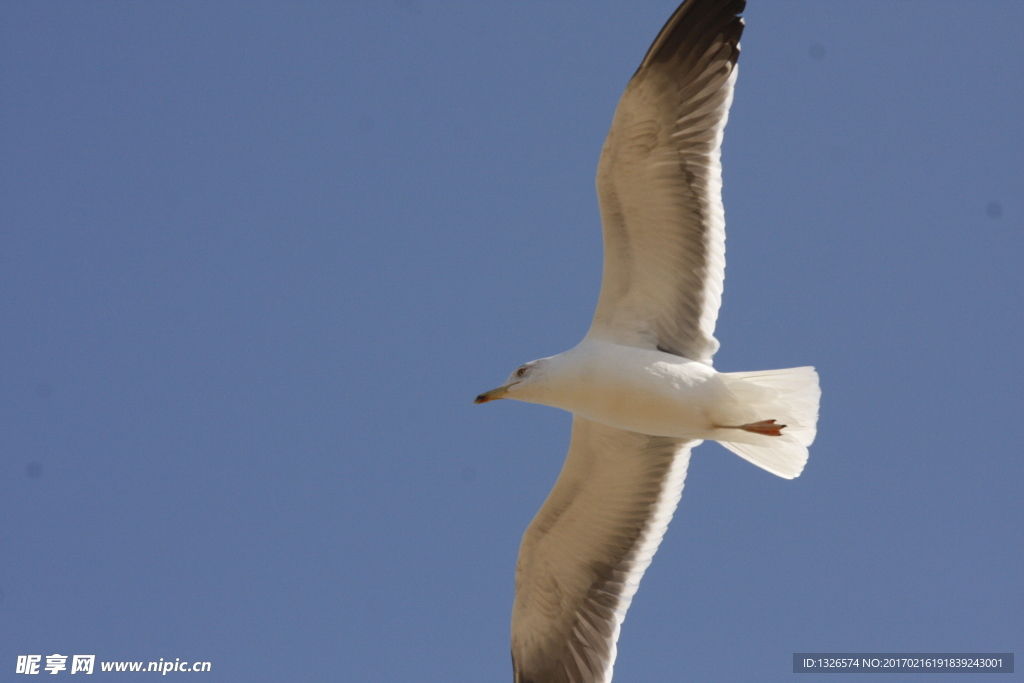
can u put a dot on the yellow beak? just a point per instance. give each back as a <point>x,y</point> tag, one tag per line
<point>492,395</point>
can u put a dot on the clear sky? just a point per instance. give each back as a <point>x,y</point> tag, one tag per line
<point>256,260</point>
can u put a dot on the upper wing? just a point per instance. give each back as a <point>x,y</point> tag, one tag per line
<point>659,183</point>
<point>584,553</point>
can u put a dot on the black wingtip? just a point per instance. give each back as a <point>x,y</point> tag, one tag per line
<point>696,22</point>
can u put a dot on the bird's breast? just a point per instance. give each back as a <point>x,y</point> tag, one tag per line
<point>643,391</point>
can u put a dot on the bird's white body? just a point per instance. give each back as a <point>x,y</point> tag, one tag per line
<point>648,391</point>
<point>641,390</point>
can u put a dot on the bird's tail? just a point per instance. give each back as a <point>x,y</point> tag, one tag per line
<point>777,416</point>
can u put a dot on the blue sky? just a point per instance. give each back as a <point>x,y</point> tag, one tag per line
<point>256,260</point>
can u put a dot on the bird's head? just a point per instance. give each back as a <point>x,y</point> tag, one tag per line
<point>525,383</point>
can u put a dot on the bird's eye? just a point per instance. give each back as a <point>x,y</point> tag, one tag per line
<point>521,372</point>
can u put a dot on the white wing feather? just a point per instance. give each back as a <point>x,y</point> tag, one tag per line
<point>659,183</point>
<point>584,553</point>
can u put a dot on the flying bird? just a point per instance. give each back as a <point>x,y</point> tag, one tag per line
<point>641,386</point>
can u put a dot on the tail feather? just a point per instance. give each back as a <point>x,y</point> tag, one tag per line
<point>790,397</point>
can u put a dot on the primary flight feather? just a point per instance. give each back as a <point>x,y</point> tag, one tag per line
<point>641,385</point>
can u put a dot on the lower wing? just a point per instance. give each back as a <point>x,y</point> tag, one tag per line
<point>583,555</point>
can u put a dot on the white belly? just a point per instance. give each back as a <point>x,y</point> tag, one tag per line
<point>642,390</point>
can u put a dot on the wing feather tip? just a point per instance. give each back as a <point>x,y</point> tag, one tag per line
<point>728,12</point>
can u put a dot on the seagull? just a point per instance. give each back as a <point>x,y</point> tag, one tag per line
<point>641,386</point>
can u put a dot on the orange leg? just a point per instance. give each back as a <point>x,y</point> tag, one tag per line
<point>766,427</point>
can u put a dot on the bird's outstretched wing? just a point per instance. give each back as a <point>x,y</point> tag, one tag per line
<point>659,183</point>
<point>584,553</point>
